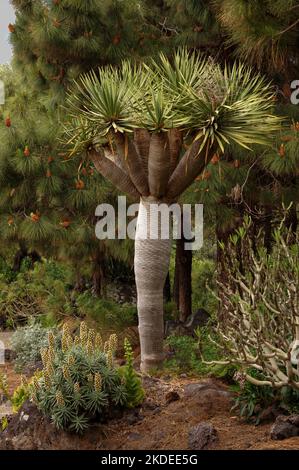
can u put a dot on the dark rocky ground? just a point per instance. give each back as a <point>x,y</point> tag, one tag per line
<point>176,414</point>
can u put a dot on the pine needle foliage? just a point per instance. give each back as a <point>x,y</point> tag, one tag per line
<point>263,33</point>
<point>46,201</point>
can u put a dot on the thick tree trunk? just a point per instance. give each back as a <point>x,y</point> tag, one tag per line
<point>175,138</point>
<point>114,173</point>
<point>132,161</point>
<point>188,168</point>
<point>151,265</point>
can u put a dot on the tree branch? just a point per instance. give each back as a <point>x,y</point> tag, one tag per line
<point>113,173</point>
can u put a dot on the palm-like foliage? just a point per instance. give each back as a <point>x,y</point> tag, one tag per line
<point>138,118</point>
<point>191,93</point>
<point>109,99</point>
<point>210,107</point>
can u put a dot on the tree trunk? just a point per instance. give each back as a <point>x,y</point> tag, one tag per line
<point>98,275</point>
<point>176,284</point>
<point>19,256</point>
<point>79,284</point>
<point>292,223</point>
<point>167,289</point>
<point>183,278</point>
<point>151,265</point>
<point>221,273</point>
<point>97,280</point>
<point>23,253</point>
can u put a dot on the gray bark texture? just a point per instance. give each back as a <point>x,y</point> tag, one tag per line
<point>151,267</point>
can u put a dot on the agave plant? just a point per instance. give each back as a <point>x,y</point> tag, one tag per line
<point>151,129</point>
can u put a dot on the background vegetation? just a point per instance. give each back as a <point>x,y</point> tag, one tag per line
<point>52,268</point>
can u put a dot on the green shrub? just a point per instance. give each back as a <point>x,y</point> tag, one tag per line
<point>225,372</point>
<point>41,292</point>
<point>170,311</point>
<point>106,313</point>
<point>184,350</point>
<point>188,353</point>
<point>134,390</point>
<point>202,274</point>
<point>27,343</point>
<point>19,396</point>
<point>80,382</point>
<point>290,400</point>
<point>46,294</point>
<point>6,272</point>
<point>252,400</point>
<point>57,272</point>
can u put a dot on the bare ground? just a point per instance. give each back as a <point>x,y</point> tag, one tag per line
<point>159,424</point>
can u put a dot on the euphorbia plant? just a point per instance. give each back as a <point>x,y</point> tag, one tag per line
<point>151,130</point>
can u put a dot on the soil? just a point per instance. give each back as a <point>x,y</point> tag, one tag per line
<point>171,408</point>
<point>13,379</point>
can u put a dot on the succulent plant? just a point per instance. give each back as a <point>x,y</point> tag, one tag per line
<point>80,382</point>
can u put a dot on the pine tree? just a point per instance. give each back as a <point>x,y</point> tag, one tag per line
<point>49,202</point>
<point>59,39</point>
<point>193,23</point>
<point>264,34</point>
